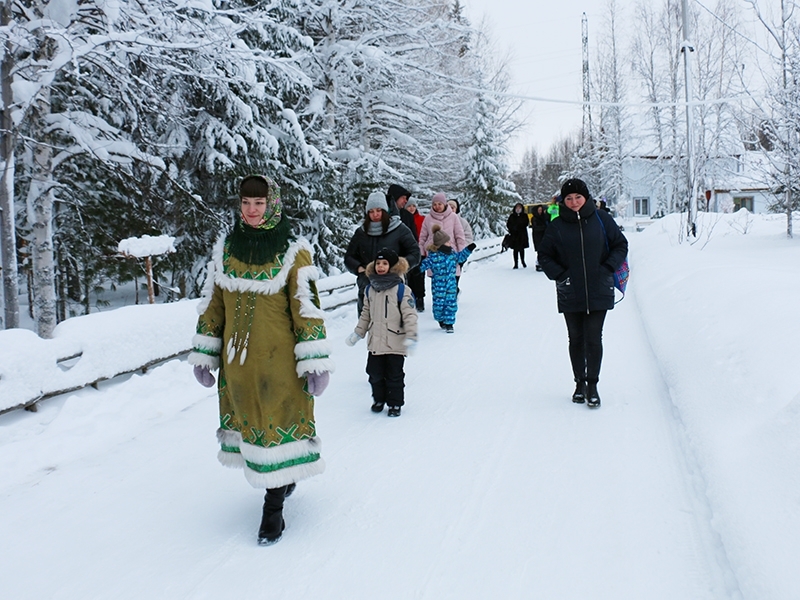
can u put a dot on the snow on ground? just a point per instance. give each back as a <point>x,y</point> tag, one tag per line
<point>684,484</point>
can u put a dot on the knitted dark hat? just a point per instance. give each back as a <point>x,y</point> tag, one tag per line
<point>254,186</point>
<point>388,255</point>
<point>574,186</point>
<point>395,191</point>
<point>440,238</point>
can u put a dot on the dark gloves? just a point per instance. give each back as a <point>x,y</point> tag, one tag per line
<point>472,246</point>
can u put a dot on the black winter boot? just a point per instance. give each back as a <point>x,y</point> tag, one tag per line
<point>579,395</point>
<point>272,523</point>
<point>592,397</point>
<point>394,411</point>
<point>377,406</point>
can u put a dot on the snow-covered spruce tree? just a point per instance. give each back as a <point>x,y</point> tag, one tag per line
<point>232,107</point>
<point>487,192</point>
<point>166,116</point>
<point>48,40</point>
<point>377,112</point>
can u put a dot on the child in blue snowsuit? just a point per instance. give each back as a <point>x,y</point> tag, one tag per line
<point>443,261</point>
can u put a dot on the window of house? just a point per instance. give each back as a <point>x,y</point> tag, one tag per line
<point>743,202</point>
<point>641,206</point>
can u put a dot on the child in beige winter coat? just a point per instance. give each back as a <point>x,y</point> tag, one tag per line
<point>390,317</point>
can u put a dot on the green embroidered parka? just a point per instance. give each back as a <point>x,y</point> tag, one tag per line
<point>261,325</point>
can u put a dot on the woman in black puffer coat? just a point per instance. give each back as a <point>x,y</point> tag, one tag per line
<point>580,251</point>
<point>518,230</point>
<point>380,230</point>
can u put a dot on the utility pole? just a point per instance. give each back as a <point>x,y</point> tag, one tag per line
<point>587,109</point>
<point>787,169</point>
<point>688,49</point>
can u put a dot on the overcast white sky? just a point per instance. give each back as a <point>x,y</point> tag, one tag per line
<point>543,39</point>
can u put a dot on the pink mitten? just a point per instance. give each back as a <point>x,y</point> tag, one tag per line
<point>317,382</point>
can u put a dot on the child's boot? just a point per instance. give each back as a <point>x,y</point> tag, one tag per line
<point>394,411</point>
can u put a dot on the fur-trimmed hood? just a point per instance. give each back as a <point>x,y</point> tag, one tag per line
<point>401,268</point>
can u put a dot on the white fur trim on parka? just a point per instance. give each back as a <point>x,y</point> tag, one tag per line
<point>274,455</point>
<point>313,356</point>
<point>206,351</point>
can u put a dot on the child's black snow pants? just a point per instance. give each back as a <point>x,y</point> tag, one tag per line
<point>387,378</point>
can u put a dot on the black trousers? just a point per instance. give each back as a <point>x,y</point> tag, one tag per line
<point>416,281</point>
<point>387,378</point>
<point>585,343</point>
<point>519,254</point>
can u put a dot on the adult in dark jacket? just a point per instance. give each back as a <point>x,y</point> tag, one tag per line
<point>379,230</point>
<point>416,278</point>
<point>580,251</point>
<point>539,221</point>
<point>397,197</point>
<point>518,230</point>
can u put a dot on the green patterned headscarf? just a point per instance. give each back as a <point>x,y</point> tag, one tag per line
<point>264,242</point>
<point>260,186</point>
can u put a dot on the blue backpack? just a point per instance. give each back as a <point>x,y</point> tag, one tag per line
<point>401,290</point>
<point>623,272</point>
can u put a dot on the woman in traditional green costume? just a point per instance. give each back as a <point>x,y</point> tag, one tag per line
<point>260,324</point>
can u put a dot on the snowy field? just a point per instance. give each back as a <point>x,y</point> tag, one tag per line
<point>492,484</point>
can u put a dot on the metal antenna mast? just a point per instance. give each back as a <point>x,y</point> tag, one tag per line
<point>587,110</point>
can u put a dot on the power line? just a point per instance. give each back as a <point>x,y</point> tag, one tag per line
<point>733,29</point>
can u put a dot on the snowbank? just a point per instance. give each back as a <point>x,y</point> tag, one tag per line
<point>91,348</point>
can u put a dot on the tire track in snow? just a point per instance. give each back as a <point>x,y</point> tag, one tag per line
<point>695,482</point>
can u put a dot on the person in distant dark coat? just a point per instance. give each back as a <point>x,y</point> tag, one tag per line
<point>415,277</point>
<point>518,230</point>
<point>539,221</point>
<point>580,251</point>
<point>397,197</point>
<point>379,230</point>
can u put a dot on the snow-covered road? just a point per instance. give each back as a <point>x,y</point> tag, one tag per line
<point>491,484</point>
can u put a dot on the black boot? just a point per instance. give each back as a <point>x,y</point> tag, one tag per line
<point>592,397</point>
<point>377,406</point>
<point>394,411</point>
<point>579,395</point>
<point>272,523</point>
<point>420,304</point>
